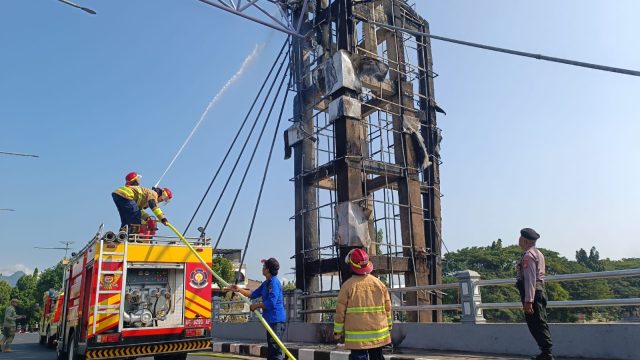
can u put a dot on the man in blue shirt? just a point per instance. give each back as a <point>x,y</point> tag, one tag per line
<point>272,305</point>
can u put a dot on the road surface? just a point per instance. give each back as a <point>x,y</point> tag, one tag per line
<point>26,347</point>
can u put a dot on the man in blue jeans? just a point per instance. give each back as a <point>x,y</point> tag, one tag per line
<point>272,304</point>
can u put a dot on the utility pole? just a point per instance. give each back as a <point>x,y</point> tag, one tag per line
<point>66,248</point>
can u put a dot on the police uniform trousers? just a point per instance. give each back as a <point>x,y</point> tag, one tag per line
<point>537,322</point>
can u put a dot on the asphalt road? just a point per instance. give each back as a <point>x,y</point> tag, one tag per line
<point>26,347</point>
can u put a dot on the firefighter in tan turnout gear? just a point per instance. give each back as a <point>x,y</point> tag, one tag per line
<point>363,310</point>
<point>132,200</point>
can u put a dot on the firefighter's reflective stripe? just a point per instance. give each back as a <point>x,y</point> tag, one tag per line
<point>338,327</point>
<point>363,336</point>
<point>365,309</point>
<point>125,192</point>
<point>158,212</point>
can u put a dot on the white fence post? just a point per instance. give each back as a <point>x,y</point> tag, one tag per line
<point>470,297</point>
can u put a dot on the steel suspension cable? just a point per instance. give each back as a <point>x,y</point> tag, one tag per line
<point>508,51</point>
<point>244,146</point>
<point>244,176</point>
<point>255,100</point>
<point>264,177</point>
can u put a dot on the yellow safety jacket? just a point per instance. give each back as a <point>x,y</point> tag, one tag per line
<point>363,313</point>
<point>144,198</point>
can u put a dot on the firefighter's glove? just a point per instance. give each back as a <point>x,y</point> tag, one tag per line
<point>165,222</point>
<point>337,336</point>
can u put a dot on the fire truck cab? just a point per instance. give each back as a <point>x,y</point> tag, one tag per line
<point>130,296</point>
<point>50,319</point>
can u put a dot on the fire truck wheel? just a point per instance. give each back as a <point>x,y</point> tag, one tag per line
<point>49,338</point>
<point>60,355</point>
<point>72,353</point>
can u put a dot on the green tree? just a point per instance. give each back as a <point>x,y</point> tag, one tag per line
<point>289,286</point>
<point>591,261</point>
<point>26,292</point>
<point>497,261</point>
<point>626,287</point>
<point>329,304</point>
<point>50,278</point>
<point>224,268</point>
<point>491,262</point>
<point>5,296</point>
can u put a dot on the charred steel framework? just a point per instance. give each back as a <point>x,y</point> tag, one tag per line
<point>378,151</point>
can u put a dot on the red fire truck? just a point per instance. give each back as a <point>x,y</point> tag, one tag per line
<point>129,296</point>
<point>50,318</point>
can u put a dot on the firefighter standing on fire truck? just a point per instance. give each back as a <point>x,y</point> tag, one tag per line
<point>132,200</point>
<point>127,207</point>
<point>132,179</point>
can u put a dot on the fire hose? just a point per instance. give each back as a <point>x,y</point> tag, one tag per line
<point>225,284</point>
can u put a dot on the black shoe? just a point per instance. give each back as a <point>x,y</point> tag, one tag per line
<point>543,357</point>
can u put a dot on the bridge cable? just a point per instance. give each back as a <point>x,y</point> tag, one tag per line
<point>245,144</point>
<point>508,51</point>
<point>255,100</point>
<point>244,176</point>
<point>264,177</point>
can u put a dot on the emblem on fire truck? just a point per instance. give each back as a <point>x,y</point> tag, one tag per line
<point>199,278</point>
<point>109,281</point>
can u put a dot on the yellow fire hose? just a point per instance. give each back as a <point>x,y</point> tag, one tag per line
<point>225,284</point>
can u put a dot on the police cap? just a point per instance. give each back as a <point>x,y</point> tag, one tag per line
<point>529,234</point>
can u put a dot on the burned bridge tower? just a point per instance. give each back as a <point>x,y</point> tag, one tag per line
<point>365,147</point>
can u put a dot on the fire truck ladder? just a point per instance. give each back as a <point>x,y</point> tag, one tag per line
<point>110,257</point>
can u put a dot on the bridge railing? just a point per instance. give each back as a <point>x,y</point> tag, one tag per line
<point>468,288</point>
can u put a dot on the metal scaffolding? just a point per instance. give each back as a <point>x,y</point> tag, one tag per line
<point>365,147</point>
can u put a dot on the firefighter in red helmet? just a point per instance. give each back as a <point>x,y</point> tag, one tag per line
<point>132,200</point>
<point>133,179</point>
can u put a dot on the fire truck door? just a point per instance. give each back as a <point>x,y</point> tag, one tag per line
<point>86,303</point>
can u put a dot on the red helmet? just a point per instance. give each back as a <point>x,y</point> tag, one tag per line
<point>359,261</point>
<point>166,192</point>
<point>132,177</point>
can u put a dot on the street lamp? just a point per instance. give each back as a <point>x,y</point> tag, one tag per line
<point>16,154</point>
<point>78,6</point>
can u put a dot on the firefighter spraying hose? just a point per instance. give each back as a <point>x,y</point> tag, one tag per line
<point>225,284</point>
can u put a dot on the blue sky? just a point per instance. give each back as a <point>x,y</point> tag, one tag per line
<point>526,142</point>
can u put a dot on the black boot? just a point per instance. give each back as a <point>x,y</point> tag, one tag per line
<point>543,356</point>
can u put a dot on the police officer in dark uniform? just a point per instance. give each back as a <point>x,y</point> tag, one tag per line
<point>530,283</point>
